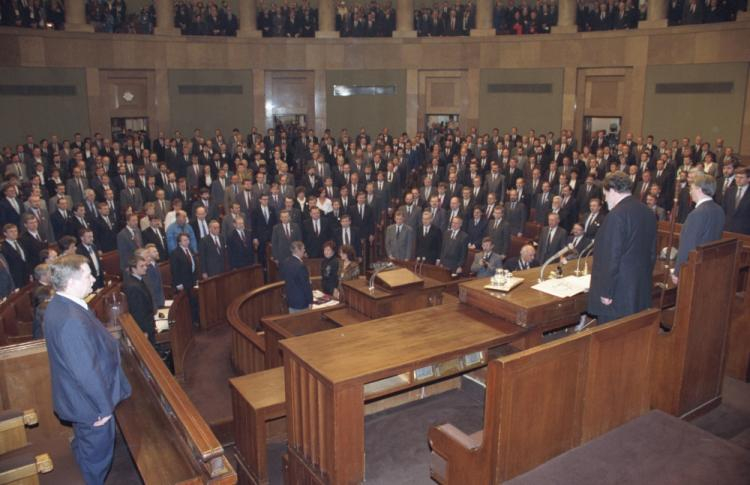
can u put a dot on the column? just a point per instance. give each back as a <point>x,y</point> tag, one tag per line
<point>657,15</point>
<point>248,14</point>
<point>405,19</point>
<point>165,18</point>
<point>484,19</point>
<point>326,20</point>
<point>75,17</point>
<point>566,18</point>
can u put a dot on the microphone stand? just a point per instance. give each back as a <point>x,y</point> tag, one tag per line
<point>581,256</point>
<point>552,258</point>
<point>670,241</point>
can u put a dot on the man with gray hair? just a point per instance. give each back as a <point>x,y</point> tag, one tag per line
<point>297,279</point>
<point>705,222</point>
<point>624,254</point>
<point>84,360</point>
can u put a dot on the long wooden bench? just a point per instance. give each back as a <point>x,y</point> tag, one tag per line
<point>16,316</point>
<point>545,400</point>
<point>13,425</point>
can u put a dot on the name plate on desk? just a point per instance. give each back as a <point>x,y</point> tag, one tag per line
<point>398,279</point>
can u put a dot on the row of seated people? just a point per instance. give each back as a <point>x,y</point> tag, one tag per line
<point>365,20</point>
<point>445,20</point>
<point>462,172</point>
<point>33,14</point>
<point>518,19</point>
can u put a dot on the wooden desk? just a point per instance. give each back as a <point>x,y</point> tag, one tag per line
<point>382,302</point>
<point>528,307</point>
<point>328,376</point>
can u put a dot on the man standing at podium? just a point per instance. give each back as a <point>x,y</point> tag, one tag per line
<point>624,254</point>
<point>297,279</point>
<point>84,361</point>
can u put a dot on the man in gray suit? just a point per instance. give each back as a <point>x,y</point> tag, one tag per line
<point>76,186</point>
<point>455,241</point>
<point>128,240</point>
<point>282,236</point>
<point>399,239</point>
<point>131,196</point>
<point>487,261</point>
<point>41,214</point>
<point>412,215</point>
<point>704,224</point>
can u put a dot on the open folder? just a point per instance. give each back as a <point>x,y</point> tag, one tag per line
<point>564,287</point>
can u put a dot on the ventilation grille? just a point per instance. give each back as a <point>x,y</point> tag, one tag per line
<point>523,88</point>
<point>346,90</point>
<point>213,89</point>
<point>37,90</point>
<point>695,88</point>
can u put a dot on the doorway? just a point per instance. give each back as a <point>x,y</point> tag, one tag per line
<point>594,124</point>
<point>122,128</point>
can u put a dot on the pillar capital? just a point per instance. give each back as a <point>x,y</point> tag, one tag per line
<point>75,17</point>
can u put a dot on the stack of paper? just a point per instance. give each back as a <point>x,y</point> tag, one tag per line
<point>564,287</point>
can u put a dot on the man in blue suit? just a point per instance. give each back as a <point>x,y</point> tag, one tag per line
<point>297,279</point>
<point>705,222</point>
<point>84,360</point>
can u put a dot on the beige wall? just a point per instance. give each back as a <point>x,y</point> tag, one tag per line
<point>540,111</point>
<point>42,115</point>
<point>372,112</point>
<point>708,114</point>
<point>631,53</point>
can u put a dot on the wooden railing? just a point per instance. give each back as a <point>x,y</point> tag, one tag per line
<point>180,331</point>
<point>216,294</point>
<point>16,316</point>
<point>158,413</point>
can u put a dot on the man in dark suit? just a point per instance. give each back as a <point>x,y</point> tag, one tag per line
<point>577,240</point>
<point>88,250</point>
<point>6,279</point>
<point>624,254</point>
<point>454,247</point>
<point>315,232</point>
<point>476,228</point>
<point>10,206</point>
<point>182,265</point>
<point>154,234</point>
<point>105,229</point>
<point>428,239</point>
<point>282,236</point>
<point>737,203</point>
<point>263,220</point>
<point>363,218</point>
<point>552,238</point>
<point>140,303</point>
<point>84,360</point>
<point>515,214</point>
<point>31,240</point>
<point>18,261</point>
<point>525,260</point>
<point>212,251</point>
<point>499,231</point>
<point>297,279</point>
<point>128,240</point>
<point>543,203</point>
<point>348,234</point>
<point>240,245</point>
<point>593,219</point>
<point>704,224</point>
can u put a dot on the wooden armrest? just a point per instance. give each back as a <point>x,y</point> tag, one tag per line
<point>667,318</point>
<point>447,440</point>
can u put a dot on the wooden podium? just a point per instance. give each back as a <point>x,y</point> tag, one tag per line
<point>398,279</point>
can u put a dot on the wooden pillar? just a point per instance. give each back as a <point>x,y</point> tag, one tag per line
<point>247,11</point>
<point>566,18</point>
<point>484,20</point>
<point>165,18</point>
<point>657,15</point>
<point>405,19</point>
<point>75,17</point>
<point>326,20</point>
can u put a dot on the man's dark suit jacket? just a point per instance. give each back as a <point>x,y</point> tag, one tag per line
<point>516,218</point>
<point>241,254</point>
<point>453,251</point>
<point>624,257</point>
<point>19,268</point>
<point>261,229</point>
<point>32,247</point>
<point>547,249</point>
<point>297,279</point>
<point>476,231</point>
<point>428,247</point>
<point>705,224</point>
<point>150,237</point>
<point>8,214</point>
<point>84,361</point>
<point>582,244</point>
<point>513,264</point>
<point>313,243</point>
<point>500,236</point>
<point>365,225</point>
<point>738,218</point>
<point>355,242</point>
<point>181,269</point>
<point>105,237</point>
<point>212,257</point>
<point>595,224</point>
<point>140,304</point>
<point>58,223</point>
<point>81,250</point>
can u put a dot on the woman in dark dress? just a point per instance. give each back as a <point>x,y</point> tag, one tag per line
<point>329,268</point>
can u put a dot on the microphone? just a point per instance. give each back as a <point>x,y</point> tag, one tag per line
<point>581,256</point>
<point>567,248</point>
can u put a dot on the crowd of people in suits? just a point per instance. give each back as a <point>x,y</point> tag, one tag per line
<point>211,204</point>
<point>205,18</point>
<point>691,12</point>
<point>513,18</point>
<point>597,16</point>
<point>287,20</point>
<point>445,20</point>
<point>367,20</point>
<point>33,14</point>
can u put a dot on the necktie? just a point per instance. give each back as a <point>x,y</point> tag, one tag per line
<point>190,257</point>
<point>218,245</point>
<point>265,213</point>
<point>362,211</point>
<point>158,234</point>
<point>453,234</point>
<point>18,249</point>
<point>92,255</point>
<point>346,236</point>
<point>740,192</point>
<point>426,230</point>
<point>549,238</point>
<point>398,231</point>
<point>317,229</point>
<point>242,236</point>
<point>286,230</point>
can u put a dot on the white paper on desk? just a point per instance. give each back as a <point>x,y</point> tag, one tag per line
<point>326,304</point>
<point>162,325</point>
<point>564,287</point>
<point>168,303</point>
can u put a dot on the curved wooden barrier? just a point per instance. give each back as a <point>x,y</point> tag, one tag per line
<point>217,293</point>
<point>16,316</point>
<point>244,315</point>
